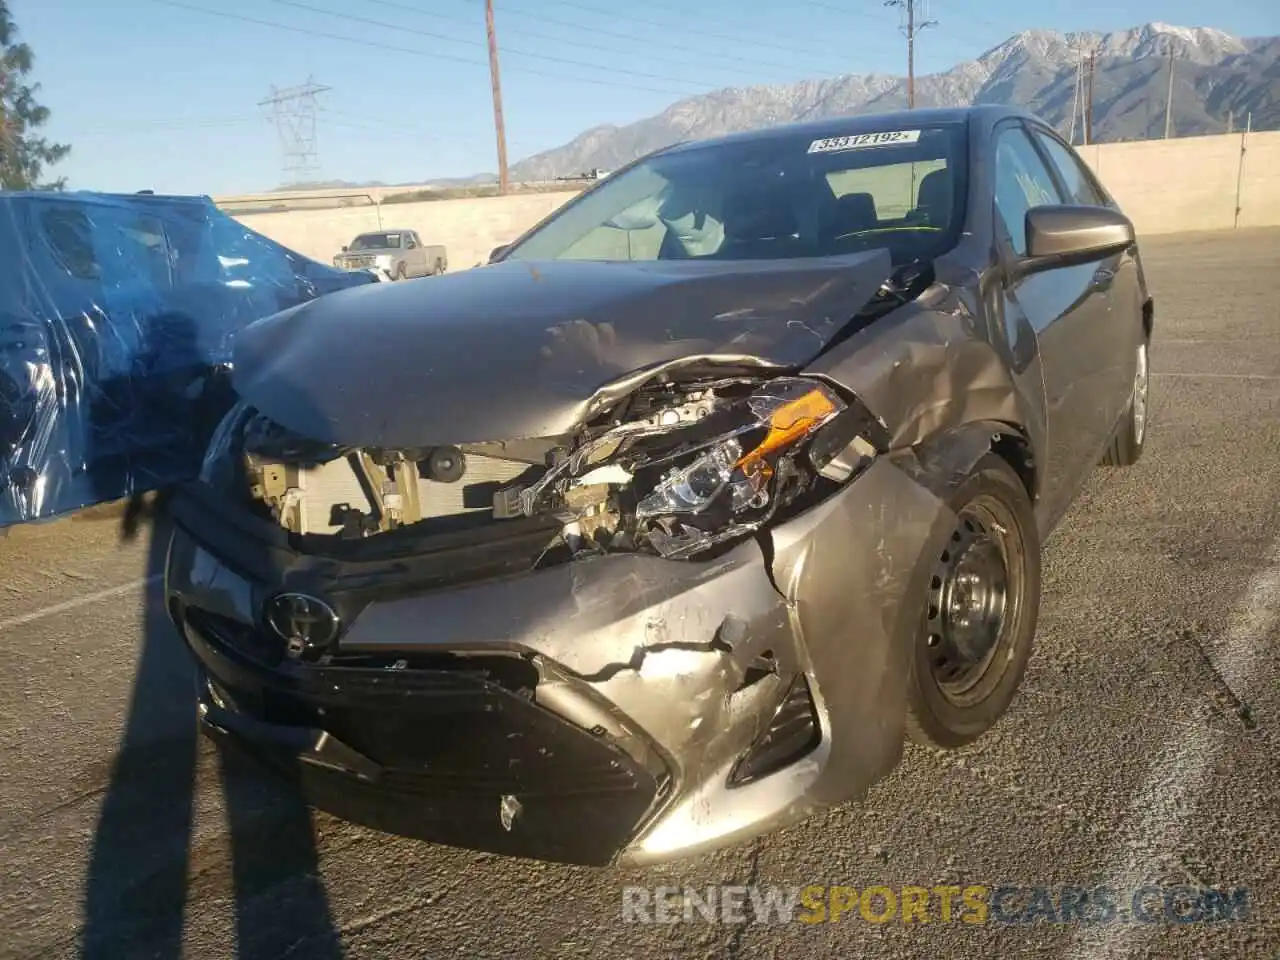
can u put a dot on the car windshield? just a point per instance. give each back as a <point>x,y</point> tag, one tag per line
<point>375,241</point>
<point>773,197</point>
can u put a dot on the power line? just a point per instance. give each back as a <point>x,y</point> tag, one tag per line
<point>1003,31</point>
<point>364,121</point>
<point>834,9</point>
<point>429,54</point>
<point>405,133</point>
<point>329,115</point>
<point>684,13</point>
<point>668,44</point>
<point>686,30</point>
<point>143,127</point>
<point>599,32</point>
<point>1004,28</point>
<point>382,24</point>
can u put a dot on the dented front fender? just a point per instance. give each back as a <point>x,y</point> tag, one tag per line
<point>855,573</point>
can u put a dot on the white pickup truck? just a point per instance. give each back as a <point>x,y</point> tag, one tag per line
<point>400,254</point>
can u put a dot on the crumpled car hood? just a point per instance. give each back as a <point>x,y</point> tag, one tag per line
<point>519,349</point>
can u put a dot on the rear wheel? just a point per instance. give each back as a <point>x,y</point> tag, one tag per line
<point>1127,445</point>
<point>980,612</point>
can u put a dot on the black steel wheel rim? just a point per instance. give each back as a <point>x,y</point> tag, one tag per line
<point>973,597</point>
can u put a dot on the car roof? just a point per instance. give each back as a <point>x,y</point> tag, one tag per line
<point>862,123</point>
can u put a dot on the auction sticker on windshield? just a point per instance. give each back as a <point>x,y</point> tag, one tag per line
<point>861,140</point>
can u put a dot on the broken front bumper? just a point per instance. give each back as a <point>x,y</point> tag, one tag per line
<point>595,711</point>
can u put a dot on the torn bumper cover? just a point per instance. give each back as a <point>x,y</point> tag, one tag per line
<point>621,707</point>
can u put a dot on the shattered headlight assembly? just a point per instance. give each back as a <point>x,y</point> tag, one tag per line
<point>694,488</point>
<point>732,487</point>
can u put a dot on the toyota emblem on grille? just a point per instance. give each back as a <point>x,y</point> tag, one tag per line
<point>305,623</point>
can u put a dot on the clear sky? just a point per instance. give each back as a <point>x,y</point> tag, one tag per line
<point>163,94</point>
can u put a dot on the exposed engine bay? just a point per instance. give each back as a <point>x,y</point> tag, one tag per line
<point>677,468</point>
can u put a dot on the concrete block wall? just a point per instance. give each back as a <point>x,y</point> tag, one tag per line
<point>469,228</point>
<point>1193,183</point>
<point>1166,186</point>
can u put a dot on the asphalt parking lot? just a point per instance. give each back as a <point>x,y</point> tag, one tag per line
<point>1145,748</point>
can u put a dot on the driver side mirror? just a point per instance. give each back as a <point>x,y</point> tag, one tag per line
<point>1064,236</point>
<point>344,249</point>
<point>497,253</point>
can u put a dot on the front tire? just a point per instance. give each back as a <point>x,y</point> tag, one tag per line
<point>1131,439</point>
<point>402,272</point>
<point>979,615</point>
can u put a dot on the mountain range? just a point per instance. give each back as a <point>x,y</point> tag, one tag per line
<point>1219,80</point>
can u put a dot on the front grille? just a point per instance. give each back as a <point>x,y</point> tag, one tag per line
<point>455,730</point>
<point>355,262</point>
<point>467,762</point>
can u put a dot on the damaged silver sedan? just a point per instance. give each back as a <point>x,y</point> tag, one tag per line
<point>668,526</point>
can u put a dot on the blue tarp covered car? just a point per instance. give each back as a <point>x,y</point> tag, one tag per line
<point>117,314</point>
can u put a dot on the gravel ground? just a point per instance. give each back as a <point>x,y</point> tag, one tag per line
<point>1145,747</point>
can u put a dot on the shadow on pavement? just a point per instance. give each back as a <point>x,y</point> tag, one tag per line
<point>144,868</point>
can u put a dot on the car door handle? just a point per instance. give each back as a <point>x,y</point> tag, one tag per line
<point>1102,278</point>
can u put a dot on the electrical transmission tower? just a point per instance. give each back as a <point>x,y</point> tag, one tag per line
<point>912,23</point>
<point>293,111</point>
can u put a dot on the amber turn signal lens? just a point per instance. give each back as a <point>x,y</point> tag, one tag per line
<point>792,421</point>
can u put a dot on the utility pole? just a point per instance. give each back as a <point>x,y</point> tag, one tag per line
<point>495,80</point>
<point>911,26</point>
<point>1231,121</point>
<point>1088,99</point>
<point>1168,100</point>
<point>1075,96</point>
<point>293,111</point>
